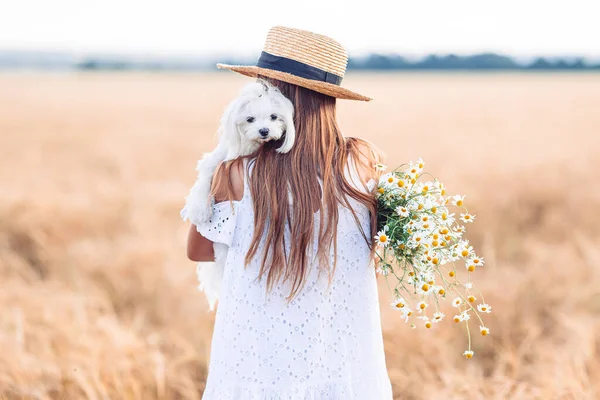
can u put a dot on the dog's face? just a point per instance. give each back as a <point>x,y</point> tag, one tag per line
<point>262,119</point>
<point>260,114</point>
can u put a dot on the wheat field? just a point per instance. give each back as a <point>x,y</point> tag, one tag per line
<point>97,298</point>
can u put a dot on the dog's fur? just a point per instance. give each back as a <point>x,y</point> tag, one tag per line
<point>260,114</point>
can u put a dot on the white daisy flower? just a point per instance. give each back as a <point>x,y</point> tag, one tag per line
<point>466,217</point>
<point>399,303</point>
<point>468,354</point>
<point>458,200</point>
<point>465,316</point>
<point>413,171</point>
<point>421,306</point>
<point>464,250</point>
<point>382,238</point>
<point>438,316</point>
<point>402,211</point>
<point>388,179</point>
<point>457,302</point>
<point>448,218</point>
<point>428,323</point>
<point>477,261</point>
<point>407,312</point>
<point>420,164</point>
<point>484,331</point>
<point>469,285</point>
<point>484,308</point>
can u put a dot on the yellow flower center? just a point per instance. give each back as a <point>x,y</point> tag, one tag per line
<point>471,299</point>
<point>401,247</point>
<point>484,332</point>
<point>418,239</point>
<point>400,305</point>
<point>443,192</point>
<point>411,273</point>
<point>464,253</point>
<point>467,217</point>
<point>476,261</point>
<point>469,355</point>
<point>444,216</point>
<point>413,171</point>
<point>456,319</point>
<point>441,292</point>
<point>459,203</point>
<point>422,306</point>
<point>409,313</point>
<point>381,190</point>
<point>413,181</point>
<point>435,243</point>
<point>390,179</point>
<point>425,189</point>
<point>484,309</point>
<point>420,207</point>
<point>435,260</point>
<point>471,268</point>
<point>434,209</point>
<point>383,238</point>
<point>400,183</point>
<point>425,287</point>
<point>421,165</point>
<point>435,236</point>
<point>428,325</point>
<point>443,244</point>
<point>425,219</point>
<point>451,273</point>
<point>444,231</point>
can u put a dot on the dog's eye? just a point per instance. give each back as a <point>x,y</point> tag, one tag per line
<point>273,117</point>
<point>250,119</point>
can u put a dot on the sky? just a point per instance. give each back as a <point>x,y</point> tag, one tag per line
<point>223,27</point>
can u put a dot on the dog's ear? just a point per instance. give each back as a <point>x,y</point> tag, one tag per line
<point>287,115</point>
<point>229,135</point>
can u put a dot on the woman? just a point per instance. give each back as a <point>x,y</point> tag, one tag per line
<point>298,316</point>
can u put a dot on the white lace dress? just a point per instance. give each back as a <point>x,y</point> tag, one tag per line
<point>324,345</point>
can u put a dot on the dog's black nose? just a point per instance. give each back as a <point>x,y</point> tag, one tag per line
<point>263,131</point>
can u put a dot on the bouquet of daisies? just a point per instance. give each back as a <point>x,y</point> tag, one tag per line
<point>420,247</point>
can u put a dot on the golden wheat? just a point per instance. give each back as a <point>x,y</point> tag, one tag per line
<point>97,299</point>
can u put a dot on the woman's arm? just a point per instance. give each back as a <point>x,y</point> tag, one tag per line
<point>199,248</point>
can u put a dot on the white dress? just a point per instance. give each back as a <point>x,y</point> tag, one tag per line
<point>325,344</point>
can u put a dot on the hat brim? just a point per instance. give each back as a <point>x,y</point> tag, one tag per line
<point>322,87</point>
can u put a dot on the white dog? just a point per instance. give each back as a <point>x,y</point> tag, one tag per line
<point>260,114</point>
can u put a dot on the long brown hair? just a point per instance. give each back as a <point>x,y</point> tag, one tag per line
<point>278,180</point>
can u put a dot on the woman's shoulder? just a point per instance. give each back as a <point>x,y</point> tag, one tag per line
<point>228,181</point>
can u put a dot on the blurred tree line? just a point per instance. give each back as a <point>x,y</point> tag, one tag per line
<point>484,61</point>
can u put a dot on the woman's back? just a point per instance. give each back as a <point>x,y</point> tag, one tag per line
<point>325,343</point>
<point>299,314</point>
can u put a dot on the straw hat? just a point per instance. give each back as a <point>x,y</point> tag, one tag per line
<point>303,58</point>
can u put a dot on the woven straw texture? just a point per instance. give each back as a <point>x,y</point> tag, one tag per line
<point>309,48</point>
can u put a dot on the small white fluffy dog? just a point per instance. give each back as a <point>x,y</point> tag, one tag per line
<point>260,114</point>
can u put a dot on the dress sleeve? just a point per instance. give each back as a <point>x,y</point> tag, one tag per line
<point>220,227</point>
